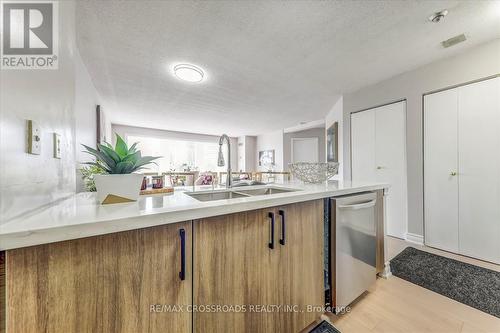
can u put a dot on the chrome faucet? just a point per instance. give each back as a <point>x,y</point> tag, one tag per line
<point>220,159</point>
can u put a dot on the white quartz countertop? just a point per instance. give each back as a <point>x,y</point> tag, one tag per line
<point>80,215</point>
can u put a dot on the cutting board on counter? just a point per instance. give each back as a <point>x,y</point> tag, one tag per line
<point>164,190</point>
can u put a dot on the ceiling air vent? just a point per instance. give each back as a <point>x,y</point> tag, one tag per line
<point>453,41</point>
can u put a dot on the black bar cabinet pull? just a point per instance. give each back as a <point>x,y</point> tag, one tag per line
<point>182,235</point>
<point>271,242</point>
<point>282,215</point>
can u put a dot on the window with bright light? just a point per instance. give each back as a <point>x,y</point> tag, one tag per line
<point>179,155</point>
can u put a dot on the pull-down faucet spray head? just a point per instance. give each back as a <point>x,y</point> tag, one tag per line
<point>220,158</point>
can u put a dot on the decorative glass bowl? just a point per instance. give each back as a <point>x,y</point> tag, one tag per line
<point>314,172</point>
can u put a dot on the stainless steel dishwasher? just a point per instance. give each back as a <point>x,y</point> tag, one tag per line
<point>353,264</point>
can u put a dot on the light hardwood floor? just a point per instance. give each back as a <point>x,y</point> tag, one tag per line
<point>395,305</point>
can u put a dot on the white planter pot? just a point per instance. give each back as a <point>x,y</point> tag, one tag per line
<point>118,188</point>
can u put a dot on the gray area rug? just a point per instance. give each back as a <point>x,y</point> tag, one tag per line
<point>324,327</point>
<point>468,284</point>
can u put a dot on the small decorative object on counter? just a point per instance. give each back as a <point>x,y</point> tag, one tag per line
<point>151,191</point>
<point>144,183</point>
<point>314,172</point>
<point>119,183</point>
<point>157,182</point>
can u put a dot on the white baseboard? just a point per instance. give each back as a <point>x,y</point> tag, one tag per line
<point>386,273</point>
<point>414,238</point>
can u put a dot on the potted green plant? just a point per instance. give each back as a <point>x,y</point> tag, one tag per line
<point>88,172</point>
<point>118,183</point>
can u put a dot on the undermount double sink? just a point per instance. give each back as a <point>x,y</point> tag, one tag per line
<point>236,193</point>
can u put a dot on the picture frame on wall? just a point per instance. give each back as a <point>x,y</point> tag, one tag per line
<point>266,158</point>
<point>100,125</point>
<point>332,146</point>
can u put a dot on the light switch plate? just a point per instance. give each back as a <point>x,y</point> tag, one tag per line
<point>34,138</point>
<point>57,145</point>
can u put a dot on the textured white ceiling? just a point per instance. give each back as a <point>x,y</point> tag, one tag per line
<point>270,64</point>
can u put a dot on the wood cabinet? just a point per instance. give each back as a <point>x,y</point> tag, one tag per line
<point>255,271</point>
<point>301,267</point>
<point>101,284</point>
<point>243,260</point>
<point>235,267</point>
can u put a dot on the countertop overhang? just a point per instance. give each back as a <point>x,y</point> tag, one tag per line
<point>80,215</point>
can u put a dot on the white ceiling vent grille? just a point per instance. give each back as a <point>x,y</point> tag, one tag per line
<point>453,41</point>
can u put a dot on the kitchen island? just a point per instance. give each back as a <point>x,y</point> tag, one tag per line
<point>173,263</point>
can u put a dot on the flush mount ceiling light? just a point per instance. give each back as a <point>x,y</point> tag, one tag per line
<point>438,16</point>
<point>190,73</point>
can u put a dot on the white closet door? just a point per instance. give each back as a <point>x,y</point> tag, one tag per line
<point>440,165</point>
<point>379,155</point>
<point>479,169</point>
<point>363,146</point>
<point>390,163</point>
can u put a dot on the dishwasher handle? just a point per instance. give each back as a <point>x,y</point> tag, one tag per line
<point>362,205</point>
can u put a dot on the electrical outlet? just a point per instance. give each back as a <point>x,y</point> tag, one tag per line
<point>57,145</point>
<point>34,138</point>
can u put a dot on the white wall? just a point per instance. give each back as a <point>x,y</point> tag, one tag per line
<point>58,100</point>
<point>246,153</point>
<point>272,140</point>
<point>125,131</point>
<point>48,97</point>
<point>318,133</point>
<point>86,100</point>
<point>473,64</point>
<point>241,153</point>
<point>250,155</point>
<point>336,115</point>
